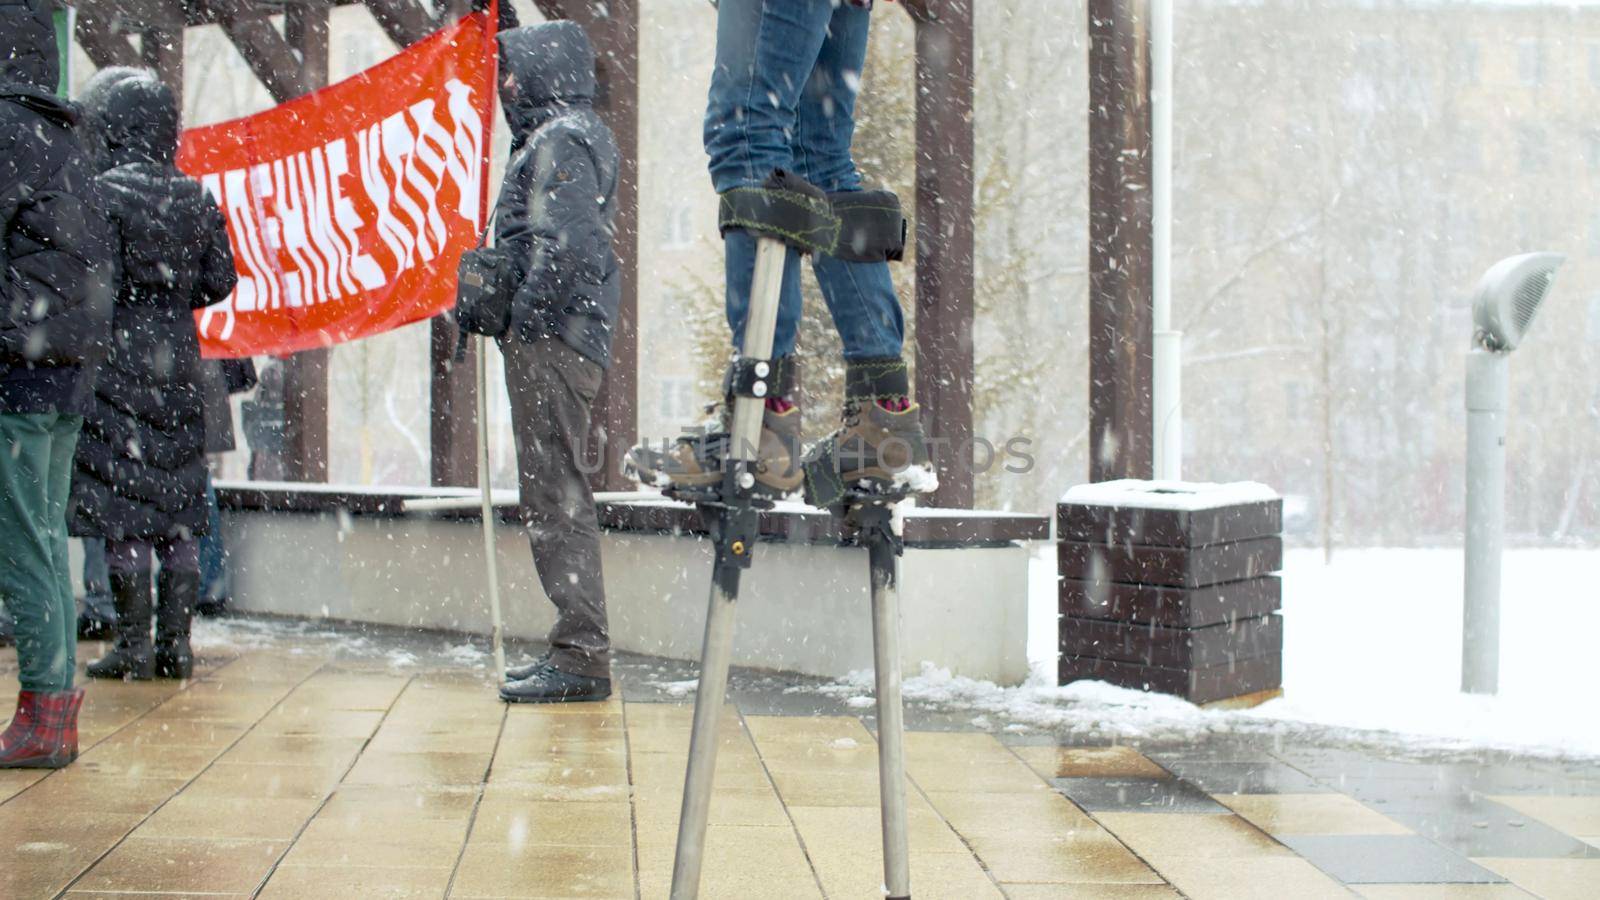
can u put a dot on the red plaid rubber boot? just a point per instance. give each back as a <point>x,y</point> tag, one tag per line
<point>44,732</point>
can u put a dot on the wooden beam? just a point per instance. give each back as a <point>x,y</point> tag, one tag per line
<point>613,27</point>
<point>161,49</point>
<point>1120,250</point>
<point>453,408</point>
<point>104,47</point>
<point>452,390</point>
<point>945,227</point>
<point>305,392</point>
<point>404,21</point>
<point>269,54</point>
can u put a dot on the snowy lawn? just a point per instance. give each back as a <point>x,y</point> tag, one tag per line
<point>1372,644</point>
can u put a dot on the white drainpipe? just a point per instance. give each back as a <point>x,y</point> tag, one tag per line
<point>1167,375</point>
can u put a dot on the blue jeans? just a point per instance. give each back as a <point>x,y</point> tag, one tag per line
<point>214,585</point>
<point>783,96</point>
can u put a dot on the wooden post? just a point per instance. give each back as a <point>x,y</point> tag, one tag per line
<point>104,47</point>
<point>1120,250</point>
<point>613,27</point>
<point>452,385</point>
<point>944,254</point>
<point>453,406</point>
<point>161,49</point>
<point>305,392</point>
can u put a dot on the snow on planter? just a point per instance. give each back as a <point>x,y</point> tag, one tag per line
<point>1169,587</point>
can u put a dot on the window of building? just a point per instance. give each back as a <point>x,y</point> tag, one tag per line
<point>678,229</point>
<point>1465,61</point>
<point>1594,64</point>
<point>676,402</point>
<point>1530,63</point>
<point>1533,150</point>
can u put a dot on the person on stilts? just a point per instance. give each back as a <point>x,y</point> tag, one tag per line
<point>782,99</point>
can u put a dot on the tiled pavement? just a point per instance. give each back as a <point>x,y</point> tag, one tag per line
<point>293,767</point>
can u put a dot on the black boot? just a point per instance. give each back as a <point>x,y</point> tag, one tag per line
<point>176,593</point>
<point>551,685</point>
<point>130,655</point>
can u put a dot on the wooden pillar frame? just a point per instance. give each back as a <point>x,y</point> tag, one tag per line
<point>104,46</point>
<point>945,223</point>
<point>1120,241</point>
<point>290,65</point>
<point>613,27</point>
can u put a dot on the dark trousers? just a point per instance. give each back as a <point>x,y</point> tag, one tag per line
<point>552,388</point>
<point>133,556</point>
<point>35,478</point>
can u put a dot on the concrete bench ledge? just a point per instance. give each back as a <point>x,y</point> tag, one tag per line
<point>336,552</point>
<point>952,528</point>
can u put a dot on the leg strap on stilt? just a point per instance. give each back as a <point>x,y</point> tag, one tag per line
<point>759,378</point>
<point>786,207</point>
<point>872,226</point>
<point>884,378</point>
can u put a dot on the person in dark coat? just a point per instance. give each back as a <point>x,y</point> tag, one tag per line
<point>555,214</point>
<point>220,380</point>
<point>54,316</point>
<point>140,480</point>
<point>263,419</point>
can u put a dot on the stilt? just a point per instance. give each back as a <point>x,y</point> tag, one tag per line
<point>786,212</point>
<point>876,524</point>
<point>734,512</point>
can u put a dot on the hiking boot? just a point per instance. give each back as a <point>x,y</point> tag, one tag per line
<point>548,684</point>
<point>696,461</point>
<point>130,655</point>
<point>44,732</point>
<point>176,593</point>
<point>880,447</point>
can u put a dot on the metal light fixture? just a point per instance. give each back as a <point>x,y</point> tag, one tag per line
<point>1508,297</point>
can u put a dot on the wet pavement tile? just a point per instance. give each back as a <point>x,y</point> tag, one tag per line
<point>1266,777</point>
<point>1149,795</point>
<point>1386,859</point>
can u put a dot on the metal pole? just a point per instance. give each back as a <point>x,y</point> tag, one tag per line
<point>1487,391</point>
<point>760,330</point>
<point>891,718</point>
<point>708,699</point>
<point>1167,375</point>
<point>487,492</point>
<point>717,651</point>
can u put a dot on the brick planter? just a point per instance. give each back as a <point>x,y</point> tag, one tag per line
<point>1169,587</point>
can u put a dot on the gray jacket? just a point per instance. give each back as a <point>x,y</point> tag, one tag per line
<point>558,204</point>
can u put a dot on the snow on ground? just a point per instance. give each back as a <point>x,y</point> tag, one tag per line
<point>1372,643</point>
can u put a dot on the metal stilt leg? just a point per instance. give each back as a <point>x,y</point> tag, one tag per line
<point>875,522</point>
<point>736,512</point>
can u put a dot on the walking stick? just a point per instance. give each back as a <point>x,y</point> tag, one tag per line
<point>487,491</point>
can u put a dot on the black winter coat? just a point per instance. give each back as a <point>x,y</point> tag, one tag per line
<point>55,297</point>
<point>557,206</point>
<point>141,468</point>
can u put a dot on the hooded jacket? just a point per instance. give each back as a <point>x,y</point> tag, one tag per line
<point>140,467</point>
<point>558,203</point>
<point>55,297</point>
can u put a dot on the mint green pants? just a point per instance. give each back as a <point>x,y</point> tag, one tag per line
<point>35,581</point>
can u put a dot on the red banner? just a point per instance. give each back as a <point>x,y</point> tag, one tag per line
<point>349,208</point>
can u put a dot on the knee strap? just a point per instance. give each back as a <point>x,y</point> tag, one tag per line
<point>872,226</point>
<point>787,208</point>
